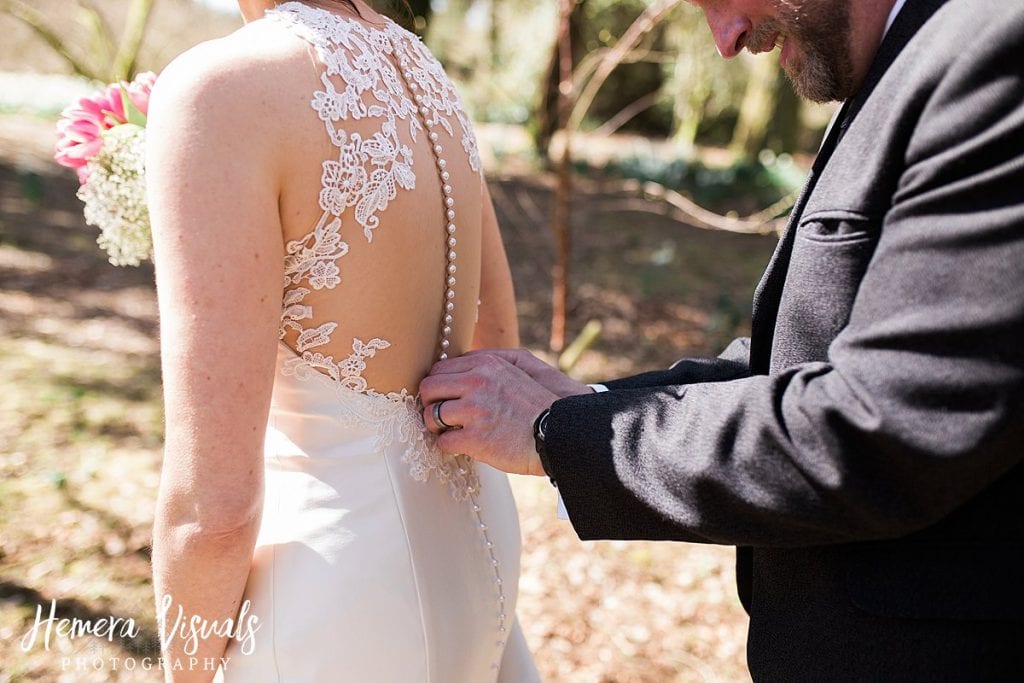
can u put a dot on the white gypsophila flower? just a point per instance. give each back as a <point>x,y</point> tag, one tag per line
<point>115,196</point>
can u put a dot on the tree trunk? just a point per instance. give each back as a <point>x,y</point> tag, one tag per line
<point>690,88</point>
<point>751,132</point>
<point>562,210</point>
<point>139,13</point>
<point>545,118</point>
<point>784,132</point>
<point>770,112</point>
<point>494,37</point>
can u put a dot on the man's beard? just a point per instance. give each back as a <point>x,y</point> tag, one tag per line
<point>822,69</point>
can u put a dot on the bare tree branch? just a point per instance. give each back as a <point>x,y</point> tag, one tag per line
<point>629,112</point>
<point>611,59</point>
<point>102,34</point>
<point>761,223</point>
<point>35,21</point>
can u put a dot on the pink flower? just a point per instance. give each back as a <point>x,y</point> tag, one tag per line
<point>81,125</point>
<point>78,133</point>
<point>139,90</point>
<point>113,105</point>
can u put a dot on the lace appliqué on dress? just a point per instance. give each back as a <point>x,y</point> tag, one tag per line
<point>361,82</point>
<point>398,415</point>
<point>425,459</point>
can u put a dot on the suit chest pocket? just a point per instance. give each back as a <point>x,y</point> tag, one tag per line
<point>831,252</point>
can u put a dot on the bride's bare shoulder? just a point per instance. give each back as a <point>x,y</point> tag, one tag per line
<point>247,70</point>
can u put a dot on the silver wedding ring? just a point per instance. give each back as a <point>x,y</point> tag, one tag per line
<point>441,424</point>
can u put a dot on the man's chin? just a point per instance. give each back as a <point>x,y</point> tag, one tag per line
<point>812,82</point>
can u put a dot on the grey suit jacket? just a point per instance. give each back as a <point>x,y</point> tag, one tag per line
<point>865,446</point>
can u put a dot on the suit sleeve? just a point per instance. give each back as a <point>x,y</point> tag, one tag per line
<point>732,363</point>
<point>920,404</point>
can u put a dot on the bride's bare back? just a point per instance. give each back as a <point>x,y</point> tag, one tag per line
<point>383,214</point>
<point>379,145</point>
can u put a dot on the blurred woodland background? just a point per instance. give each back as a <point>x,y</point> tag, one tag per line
<point>640,181</point>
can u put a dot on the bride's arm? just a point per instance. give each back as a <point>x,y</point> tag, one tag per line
<point>213,196</point>
<point>498,327</point>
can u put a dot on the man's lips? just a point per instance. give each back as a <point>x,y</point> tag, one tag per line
<point>777,40</point>
<point>767,44</point>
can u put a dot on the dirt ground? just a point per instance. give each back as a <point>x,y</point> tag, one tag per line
<point>80,430</point>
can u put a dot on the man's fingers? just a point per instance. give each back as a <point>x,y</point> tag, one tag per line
<point>457,377</point>
<point>463,363</point>
<point>525,361</point>
<point>456,441</point>
<point>452,413</point>
<point>521,358</point>
<point>505,354</point>
<point>437,387</point>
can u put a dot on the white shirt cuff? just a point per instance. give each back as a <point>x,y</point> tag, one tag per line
<point>598,388</point>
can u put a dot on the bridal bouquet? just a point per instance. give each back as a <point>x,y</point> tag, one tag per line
<point>102,137</point>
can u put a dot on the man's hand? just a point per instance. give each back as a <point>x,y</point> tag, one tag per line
<point>492,400</point>
<point>542,373</point>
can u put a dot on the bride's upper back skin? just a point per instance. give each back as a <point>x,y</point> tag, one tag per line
<point>267,168</point>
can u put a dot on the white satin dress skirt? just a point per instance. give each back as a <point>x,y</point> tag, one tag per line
<point>378,560</point>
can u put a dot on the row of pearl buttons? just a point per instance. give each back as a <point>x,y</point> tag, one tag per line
<point>446,331</point>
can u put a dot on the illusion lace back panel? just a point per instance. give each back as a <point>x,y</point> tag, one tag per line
<point>378,558</point>
<point>365,228</point>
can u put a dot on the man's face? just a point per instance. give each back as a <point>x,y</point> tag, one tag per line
<point>815,37</point>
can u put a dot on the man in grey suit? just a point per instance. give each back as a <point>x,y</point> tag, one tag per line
<point>864,449</point>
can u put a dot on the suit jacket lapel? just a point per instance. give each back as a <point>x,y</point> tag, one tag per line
<point>769,291</point>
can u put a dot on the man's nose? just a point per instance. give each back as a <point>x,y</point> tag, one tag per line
<point>730,30</point>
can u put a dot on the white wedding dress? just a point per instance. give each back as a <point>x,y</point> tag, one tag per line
<point>378,558</point>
